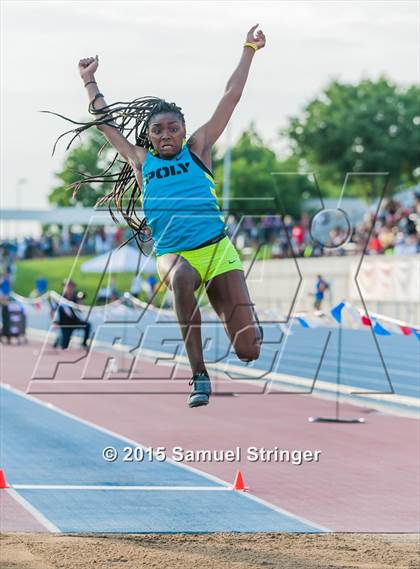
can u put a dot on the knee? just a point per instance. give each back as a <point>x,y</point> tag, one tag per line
<point>248,353</point>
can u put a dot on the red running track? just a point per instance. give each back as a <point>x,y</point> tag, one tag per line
<point>366,479</point>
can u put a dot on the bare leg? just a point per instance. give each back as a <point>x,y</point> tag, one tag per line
<point>180,277</point>
<point>229,296</point>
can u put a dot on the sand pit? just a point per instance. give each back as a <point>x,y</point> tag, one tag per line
<point>212,551</point>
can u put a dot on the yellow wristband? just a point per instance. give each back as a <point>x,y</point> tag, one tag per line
<point>249,44</point>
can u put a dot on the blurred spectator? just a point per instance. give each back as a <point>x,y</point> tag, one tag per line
<point>141,287</point>
<point>395,231</point>
<point>46,245</point>
<point>152,280</point>
<point>13,319</point>
<point>267,225</point>
<point>68,319</point>
<point>100,241</point>
<point>231,225</point>
<point>110,292</point>
<point>375,246</point>
<point>386,238</point>
<point>5,286</point>
<point>298,233</point>
<point>249,229</point>
<point>118,236</point>
<point>61,241</point>
<point>41,285</point>
<point>136,286</point>
<point>321,286</point>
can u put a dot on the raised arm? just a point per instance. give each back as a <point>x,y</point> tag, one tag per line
<point>133,154</point>
<point>203,138</point>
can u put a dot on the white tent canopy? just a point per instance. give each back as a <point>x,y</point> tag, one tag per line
<point>124,260</point>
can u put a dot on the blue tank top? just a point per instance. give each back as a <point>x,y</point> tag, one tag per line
<point>179,202</point>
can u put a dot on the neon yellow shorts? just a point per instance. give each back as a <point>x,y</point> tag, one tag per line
<point>214,259</point>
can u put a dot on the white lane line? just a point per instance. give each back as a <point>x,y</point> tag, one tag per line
<point>33,511</point>
<point>163,489</point>
<point>289,514</point>
<point>108,432</point>
<point>347,360</point>
<point>168,460</point>
<point>116,487</point>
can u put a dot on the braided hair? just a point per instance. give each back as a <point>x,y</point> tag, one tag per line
<point>129,118</point>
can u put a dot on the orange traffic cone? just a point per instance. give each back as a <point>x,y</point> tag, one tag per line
<point>239,483</point>
<point>3,483</point>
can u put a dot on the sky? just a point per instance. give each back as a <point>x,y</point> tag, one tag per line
<point>183,52</point>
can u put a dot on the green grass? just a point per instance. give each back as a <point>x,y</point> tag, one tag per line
<point>57,269</point>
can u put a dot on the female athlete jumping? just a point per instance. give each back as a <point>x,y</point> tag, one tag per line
<point>180,207</point>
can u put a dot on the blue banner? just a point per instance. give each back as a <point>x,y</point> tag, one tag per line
<point>336,311</point>
<point>380,330</point>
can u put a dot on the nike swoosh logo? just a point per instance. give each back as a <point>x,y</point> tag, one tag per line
<point>230,262</point>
